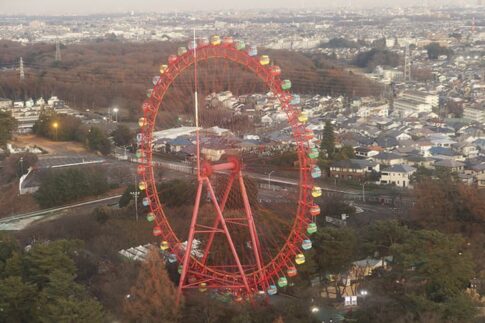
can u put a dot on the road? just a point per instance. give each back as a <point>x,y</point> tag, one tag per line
<point>20,221</point>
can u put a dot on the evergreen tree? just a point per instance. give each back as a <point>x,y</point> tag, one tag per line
<point>16,300</point>
<point>328,140</point>
<point>98,141</point>
<point>153,297</point>
<point>122,135</point>
<point>63,300</point>
<point>7,125</point>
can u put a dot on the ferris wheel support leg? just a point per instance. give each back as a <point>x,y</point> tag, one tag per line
<point>216,221</point>
<point>251,225</point>
<point>228,235</point>
<point>190,239</point>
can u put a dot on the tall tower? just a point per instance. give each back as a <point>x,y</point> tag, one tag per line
<point>58,51</point>
<point>407,64</point>
<point>21,69</point>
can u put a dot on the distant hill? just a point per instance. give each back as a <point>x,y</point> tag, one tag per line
<point>104,73</point>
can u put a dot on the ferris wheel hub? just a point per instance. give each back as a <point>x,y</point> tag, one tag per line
<point>233,165</point>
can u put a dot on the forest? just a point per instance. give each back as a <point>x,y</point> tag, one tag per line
<point>104,73</point>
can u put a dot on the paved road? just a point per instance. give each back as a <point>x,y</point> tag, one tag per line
<point>20,221</point>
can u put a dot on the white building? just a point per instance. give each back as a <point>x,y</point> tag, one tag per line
<point>474,114</point>
<point>423,97</point>
<point>399,175</point>
<point>381,111</point>
<point>5,104</point>
<point>408,107</point>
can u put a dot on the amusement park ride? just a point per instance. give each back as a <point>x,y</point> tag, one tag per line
<point>239,257</point>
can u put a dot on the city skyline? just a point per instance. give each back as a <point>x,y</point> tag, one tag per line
<point>57,7</point>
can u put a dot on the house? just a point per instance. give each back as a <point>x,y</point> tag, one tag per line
<point>442,153</point>
<point>468,150</point>
<point>481,181</point>
<point>399,175</point>
<point>419,161</point>
<point>450,164</point>
<point>365,152</point>
<point>353,169</point>
<point>5,104</point>
<point>387,142</point>
<point>266,120</point>
<point>177,144</point>
<point>385,158</point>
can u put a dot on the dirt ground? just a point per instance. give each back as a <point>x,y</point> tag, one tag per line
<point>52,147</point>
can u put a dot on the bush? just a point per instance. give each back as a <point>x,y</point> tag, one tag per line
<point>61,186</point>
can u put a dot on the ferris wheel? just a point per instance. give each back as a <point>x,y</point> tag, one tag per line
<point>241,235</point>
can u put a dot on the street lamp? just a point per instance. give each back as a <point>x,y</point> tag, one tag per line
<point>269,179</point>
<point>21,160</point>
<point>115,110</point>
<point>55,125</point>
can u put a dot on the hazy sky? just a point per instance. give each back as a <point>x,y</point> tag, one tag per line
<point>55,7</point>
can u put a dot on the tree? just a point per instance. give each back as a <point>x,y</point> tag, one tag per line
<point>39,285</point>
<point>98,141</point>
<point>429,274</point>
<point>17,165</point>
<point>335,249</point>
<point>447,204</point>
<point>328,141</point>
<point>17,299</point>
<point>176,193</point>
<point>68,127</point>
<point>45,258</point>
<point>8,246</point>
<point>340,43</point>
<point>377,57</point>
<point>66,185</point>
<point>346,152</point>
<point>63,300</point>
<point>122,135</point>
<point>433,264</point>
<point>153,297</point>
<point>7,125</point>
<point>380,43</point>
<point>381,235</point>
<point>435,50</point>
<point>126,197</point>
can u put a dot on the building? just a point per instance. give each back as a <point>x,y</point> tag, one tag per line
<point>5,104</point>
<point>380,111</point>
<point>422,97</point>
<point>408,107</point>
<point>385,158</point>
<point>474,114</point>
<point>399,175</point>
<point>451,165</point>
<point>353,169</point>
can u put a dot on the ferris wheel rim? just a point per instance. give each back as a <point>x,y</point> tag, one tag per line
<point>151,106</point>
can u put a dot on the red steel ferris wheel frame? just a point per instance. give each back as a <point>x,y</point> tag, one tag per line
<point>197,271</point>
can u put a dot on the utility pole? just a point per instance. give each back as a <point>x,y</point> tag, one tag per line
<point>58,57</point>
<point>135,194</point>
<point>269,179</point>
<point>407,64</point>
<point>22,73</point>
